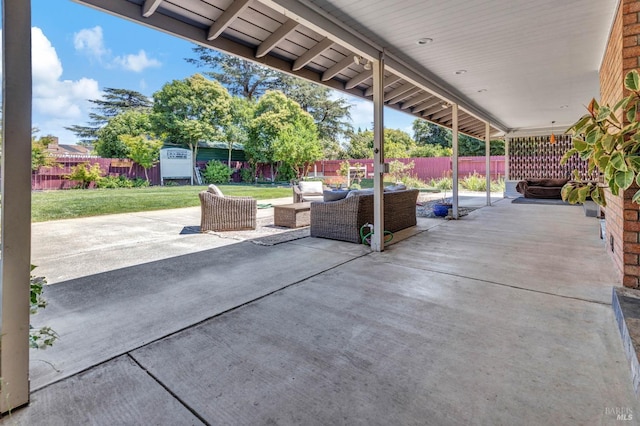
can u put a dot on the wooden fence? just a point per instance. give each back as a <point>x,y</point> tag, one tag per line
<point>424,168</point>
<point>55,177</point>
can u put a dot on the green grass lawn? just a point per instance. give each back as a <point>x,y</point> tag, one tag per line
<point>68,204</point>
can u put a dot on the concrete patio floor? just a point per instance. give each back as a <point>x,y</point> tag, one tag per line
<point>502,317</point>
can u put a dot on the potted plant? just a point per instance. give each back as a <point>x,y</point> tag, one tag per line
<point>611,145</point>
<point>441,208</point>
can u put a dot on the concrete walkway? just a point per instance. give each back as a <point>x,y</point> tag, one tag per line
<point>502,317</point>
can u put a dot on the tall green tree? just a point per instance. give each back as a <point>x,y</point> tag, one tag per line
<point>360,145</point>
<point>426,133</point>
<point>472,147</point>
<point>332,116</point>
<point>250,81</point>
<point>114,102</point>
<point>192,110</point>
<point>241,115</point>
<point>275,117</point>
<point>397,144</point>
<point>143,151</point>
<point>239,76</point>
<point>296,146</point>
<point>131,123</point>
<point>39,155</point>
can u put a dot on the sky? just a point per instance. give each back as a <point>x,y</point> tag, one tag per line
<point>78,52</point>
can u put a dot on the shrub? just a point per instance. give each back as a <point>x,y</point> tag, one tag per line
<point>344,168</point>
<point>477,182</point>
<point>140,183</point>
<point>413,182</point>
<point>120,182</point>
<point>216,172</point>
<point>444,183</point>
<point>399,170</point>
<point>285,173</point>
<point>247,175</point>
<point>474,182</point>
<point>497,185</point>
<point>85,174</point>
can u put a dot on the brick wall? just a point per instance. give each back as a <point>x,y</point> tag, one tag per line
<point>622,217</point>
<point>611,74</point>
<point>614,217</point>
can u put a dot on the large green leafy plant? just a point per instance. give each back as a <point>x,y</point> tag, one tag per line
<point>43,337</point>
<point>608,144</point>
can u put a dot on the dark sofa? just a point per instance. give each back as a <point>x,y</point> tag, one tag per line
<point>342,219</point>
<point>541,188</point>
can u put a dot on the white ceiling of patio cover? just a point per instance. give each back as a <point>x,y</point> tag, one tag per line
<point>531,57</point>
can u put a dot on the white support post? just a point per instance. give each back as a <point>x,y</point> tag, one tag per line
<point>377,242</point>
<point>16,204</point>
<point>454,143</point>
<point>487,148</point>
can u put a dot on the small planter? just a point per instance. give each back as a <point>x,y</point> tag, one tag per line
<point>441,209</point>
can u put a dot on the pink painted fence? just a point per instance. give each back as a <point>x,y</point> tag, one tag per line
<point>54,177</point>
<point>424,168</point>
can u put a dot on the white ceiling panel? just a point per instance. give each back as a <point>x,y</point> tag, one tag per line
<point>528,58</point>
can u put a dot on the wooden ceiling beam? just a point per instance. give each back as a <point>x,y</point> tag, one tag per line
<point>398,91</point>
<point>417,100</point>
<point>337,68</point>
<point>311,54</point>
<point>276,37</point>
<point>437,107</point>
<point>426,105</point>
<point>358,79</point>
<point>228,16</point>
<point>404,96</point>
<point>444,112</point>
<point>461,122</point>
<point>388,81</point>
<point>149,7</point>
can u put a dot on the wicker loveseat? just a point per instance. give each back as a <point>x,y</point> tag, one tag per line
<point>342,219</point>
<point>220,213</point>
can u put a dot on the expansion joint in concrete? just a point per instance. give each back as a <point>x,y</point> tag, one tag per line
<point>515,287</point>
<point>168,390</point>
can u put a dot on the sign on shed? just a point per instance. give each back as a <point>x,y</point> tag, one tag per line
<point>176,163</point>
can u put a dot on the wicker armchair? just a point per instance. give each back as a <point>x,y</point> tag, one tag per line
<point>312,191</point>
<point>220,213</point>
<point>342,219</point>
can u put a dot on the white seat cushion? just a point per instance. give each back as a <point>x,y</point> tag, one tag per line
<point>215,190</point>
<point>310,187</point>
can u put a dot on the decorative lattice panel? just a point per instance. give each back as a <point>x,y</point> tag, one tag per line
<point>535,157</point>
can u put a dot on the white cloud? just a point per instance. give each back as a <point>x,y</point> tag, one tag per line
<point>136,63</point>
<point>361,114</point>
<point>90,42</point>
<point>53,97</point>
<point>56,103</point>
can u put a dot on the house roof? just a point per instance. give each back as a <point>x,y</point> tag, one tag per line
<point>63,149</point>
<point>516,64</point>
<point>221,145</point>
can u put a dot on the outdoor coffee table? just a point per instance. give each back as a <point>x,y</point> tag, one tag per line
<point>292,215</point>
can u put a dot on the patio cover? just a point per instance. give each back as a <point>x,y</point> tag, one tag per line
<point>536,61</point>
